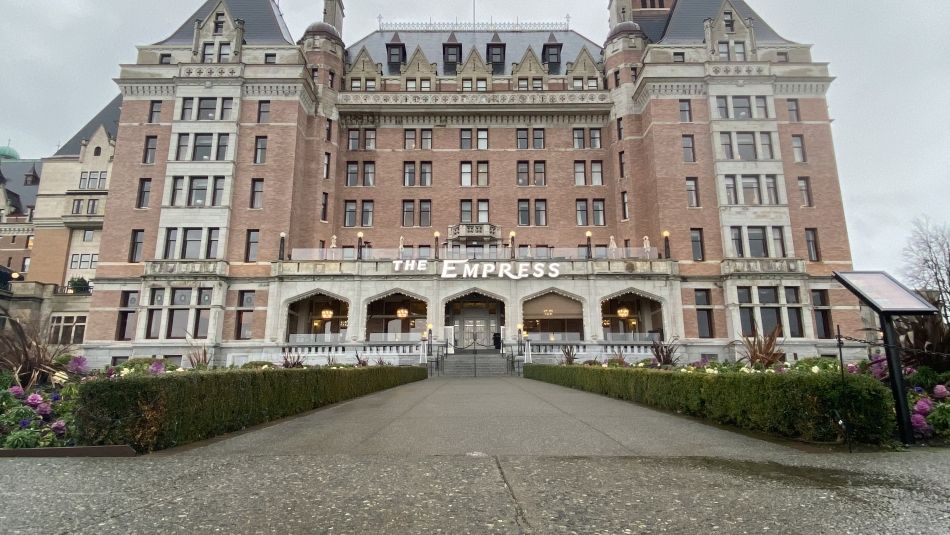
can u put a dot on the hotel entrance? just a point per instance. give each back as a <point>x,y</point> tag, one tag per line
<point>476,321</point>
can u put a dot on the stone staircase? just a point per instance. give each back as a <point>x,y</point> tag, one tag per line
<point>484,364</point>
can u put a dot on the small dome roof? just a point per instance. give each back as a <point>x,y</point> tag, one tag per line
<point>624,28</point>
<point>9,153</point>
<point>318,28</point>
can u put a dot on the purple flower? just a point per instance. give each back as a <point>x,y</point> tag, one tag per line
<point>58,427</point>
<point>16,391</point>
<point>941,392</point>
<point>854,368</point>
<point>33,400</point>
<point>111,372</point>
<point>919,389</point>
<point>157,368</point>
<point>78,366</point>
<point>923,407</point>
<point>909,371</point>
<point>43,409</point>
<point>919,422</point>
<point>56,396</point>
<point>24,423</point>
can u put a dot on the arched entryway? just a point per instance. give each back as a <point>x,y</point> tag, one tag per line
<point>396,317</point>
<point>552,317</point>
<point>474,321</point>
<point>318,319</point>
<point>629,317</point>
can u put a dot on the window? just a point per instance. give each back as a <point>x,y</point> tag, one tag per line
<point>77,207</point>
<point>211,249</point>
<point>729,21</point>
<point>270,59</point>
<point>742,107</point>
<point>724,52</point>
<point>704,313</point>
<point>198,191</point>
<point>154,111</point>
<point>409,174</point>
<point>67,330</point>
<point>579,138</point>
<point>622,159</point>
<point>257,193</point>
<point>751,194</point>
<point>722,106</point>
<point>425,174</point>
<point>87,235</point>
<point>745,142</point>
<point>467,84</point>
<point>686,111</point>
<point>465,211</point>
<point>746,311</point>
<point>465,174</point>
<point>207,108</point>
<point>595,138</point>
<point>349,214</point>
<point>522,173</point>
<point>369,174</point>
<point>328,130</point>
<point>539,138</point>
<point>699,248</point>
<point>165,59</point>
<point>483,212</point>
<point>465,139</point>
<point>740,51</point>
<point>201,152</point>
<point>482,179</point>
<point>540,175</point>
<point>191,244</point>
<point>181,154</point>
<point>223,141</point>
<point>171,243</point>
<point>245,315</point>
<point>619,128</point>
<point>187,109</point>
<point>577,84</point>
<point>331,79</point>
<point>540,213</point>
<point>811,241</point>
<point>761,108</point>
<point>125,328</point>
<point>207,53</point>
<point>352,174</point>
<point>581,208</point>
<point>679,57</point>
<point>624,206</point>
<point>426,139</point>
<point>326,165</point>
<point>367,214</point>
<point>217,191</point>
<point>263,111</point>
<point>409,137</point>
<point>597,173</point>
<point>482,139</point>
<point>251,245</point>
<point>425,213</point>
<point>144,193</point>
<point>324,206</point>
<point>522,138</point>
<point>369,140</point>
<point>771,315</point>
<point>782,57</point>
<point>794,114</point>
<point>766,140</point>
<point>92,206</point>
<point>260,150</point>
<point>224,52</point>
<point>737,246</point>
<point>481,84</point>
<point>798,149</point>
<point>594,85</point>
<point>725,139</point>
<point>822,307</point>
<point>524,212</point>
<point>151,148</point>
<point>227,109</point>
<point>689,150</point>
<point>758,242</point>
<point>136,246</point>
<point>537,84</point>
<point>804,189</point>
<point>778,242</point>
<point>580,174</point>
<point>771,190</point>
<point>178,189</point>
<point>692,192</point>
<point>408,213</point>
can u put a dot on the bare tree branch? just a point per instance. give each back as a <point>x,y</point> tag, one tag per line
<point>927,262</point>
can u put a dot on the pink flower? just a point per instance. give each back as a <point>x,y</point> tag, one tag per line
<point>854,368</point>
<point>58,427</point>
<point>923,407</point>
<point>919,422</point>
<point>43,409</point>
<point>34,400</point>
<point>16,391</point>
<point>941,392</point>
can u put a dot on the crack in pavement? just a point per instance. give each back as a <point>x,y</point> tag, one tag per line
<point>520,518</point>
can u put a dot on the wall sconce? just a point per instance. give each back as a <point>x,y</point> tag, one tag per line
<point>326,314</point>
<point>402,313</point>
<point>623,312</point>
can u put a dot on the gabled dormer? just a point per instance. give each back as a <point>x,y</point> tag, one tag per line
<point>730,37</point>
<point>474,74</point>
<point>218,36</point>
<point>529,65</point>
<point>395,55</point>
<point>551,54</point>
<point>584,71</point>
<point>451,55</point>
<point>364,73</point>
<point>495,54</point>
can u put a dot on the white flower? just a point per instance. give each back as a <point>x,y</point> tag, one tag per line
<point>745,370</point>
<point>640,365</point>
<point>770,370</point>
<point>713,371</point>
<point>181,370</point>
<point>125,371</point>
<point>815,369</point>
<point>603,365</point>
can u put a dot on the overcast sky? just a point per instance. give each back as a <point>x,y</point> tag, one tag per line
<point>890,59</point>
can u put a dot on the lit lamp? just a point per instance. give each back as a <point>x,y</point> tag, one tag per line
<point>431,339</point>
<point>359,245</point>
<point>548,312</point>
<point>402,313</point>
<point>437,236</point>
<point>590,247</point>
<point>511,243</point>
<point>326,314</point>
<point>666,244</point>
<point>623,313</point>
<point>283,245</point>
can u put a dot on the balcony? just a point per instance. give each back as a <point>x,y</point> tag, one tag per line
<point>466,231</point>
<point>734,266</point>
<point>83,221</point>
<point>187,267</point>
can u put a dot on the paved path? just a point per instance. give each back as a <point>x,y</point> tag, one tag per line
<point>482,456</point>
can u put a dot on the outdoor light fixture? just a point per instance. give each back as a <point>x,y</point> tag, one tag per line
<point>605,323</point>
<point>402,313</point>
<point>359,245</point>
<point>511,243</point>
<point>283,246</point>
<point>666,244</point>
<point>548,312</point>
<point>437,235</point>
<point>326,314</point>
<point>623,312</point>
<point>590,247</point>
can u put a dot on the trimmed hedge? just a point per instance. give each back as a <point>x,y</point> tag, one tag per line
<point>154,413</point>
<point>797,405</point>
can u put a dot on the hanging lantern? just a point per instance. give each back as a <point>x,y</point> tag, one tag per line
<point>326,314</point>
<point>623,312</point>
<point>402,313</point>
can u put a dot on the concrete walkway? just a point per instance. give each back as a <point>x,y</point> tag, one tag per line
<point>482,456</point>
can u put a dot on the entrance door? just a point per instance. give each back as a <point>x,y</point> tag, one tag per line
<point>476,332</point>
<point>476,320</point>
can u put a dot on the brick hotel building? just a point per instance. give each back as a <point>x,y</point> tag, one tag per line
<point>466,182</point>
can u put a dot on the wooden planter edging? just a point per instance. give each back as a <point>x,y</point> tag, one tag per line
<point>77,451</point>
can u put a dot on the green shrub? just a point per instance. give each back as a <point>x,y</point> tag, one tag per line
<point>156,412</point>
<point>6,379</point>
<point>257,364</point>
<point>925,378</point>
<point>141,364</point>
<point>940,419</point>
<point>798,405</point>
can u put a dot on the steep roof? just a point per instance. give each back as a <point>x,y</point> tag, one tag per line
<point>108,118</point>
<point>516,43</point>
<point>15,172</point>
<point>263,23</point>
<point>653,24</point>
<point>686,22</point>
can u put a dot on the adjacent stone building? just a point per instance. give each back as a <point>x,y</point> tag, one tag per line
<point>472,183</point>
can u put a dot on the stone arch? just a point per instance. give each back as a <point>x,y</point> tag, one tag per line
<point>368,320</point>
<point>558,291</point>
<point>301,325</point>
<point>473,290</point>
<point>304,296</point>
<point>635,291</point>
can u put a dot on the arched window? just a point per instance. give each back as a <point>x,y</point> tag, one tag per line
<point>97,152</point>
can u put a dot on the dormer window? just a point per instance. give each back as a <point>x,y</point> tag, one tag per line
<point>207,53</point>
<point>270,59</point>
<point>395,56</point>
<point>224,53</point>
<point>729,21</point>
<point>552,56</point>
<point>496,57</point>
<point>452,56</point>
<point>218,23</point>
<point>164,59</point>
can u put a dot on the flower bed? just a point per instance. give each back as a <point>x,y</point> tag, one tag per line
<point>152,411</point>
<point>37,419</point>
<point>793,404</point>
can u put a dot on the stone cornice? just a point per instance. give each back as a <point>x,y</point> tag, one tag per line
<point>516,98</point>
<point>356,119</point>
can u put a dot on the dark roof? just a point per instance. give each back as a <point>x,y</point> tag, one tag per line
<point>687,22</point>
<point>108,117</point>
<point>516,44</point>
<point>14,172</point>
<point>653,24</point>
<point>263,23</point>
